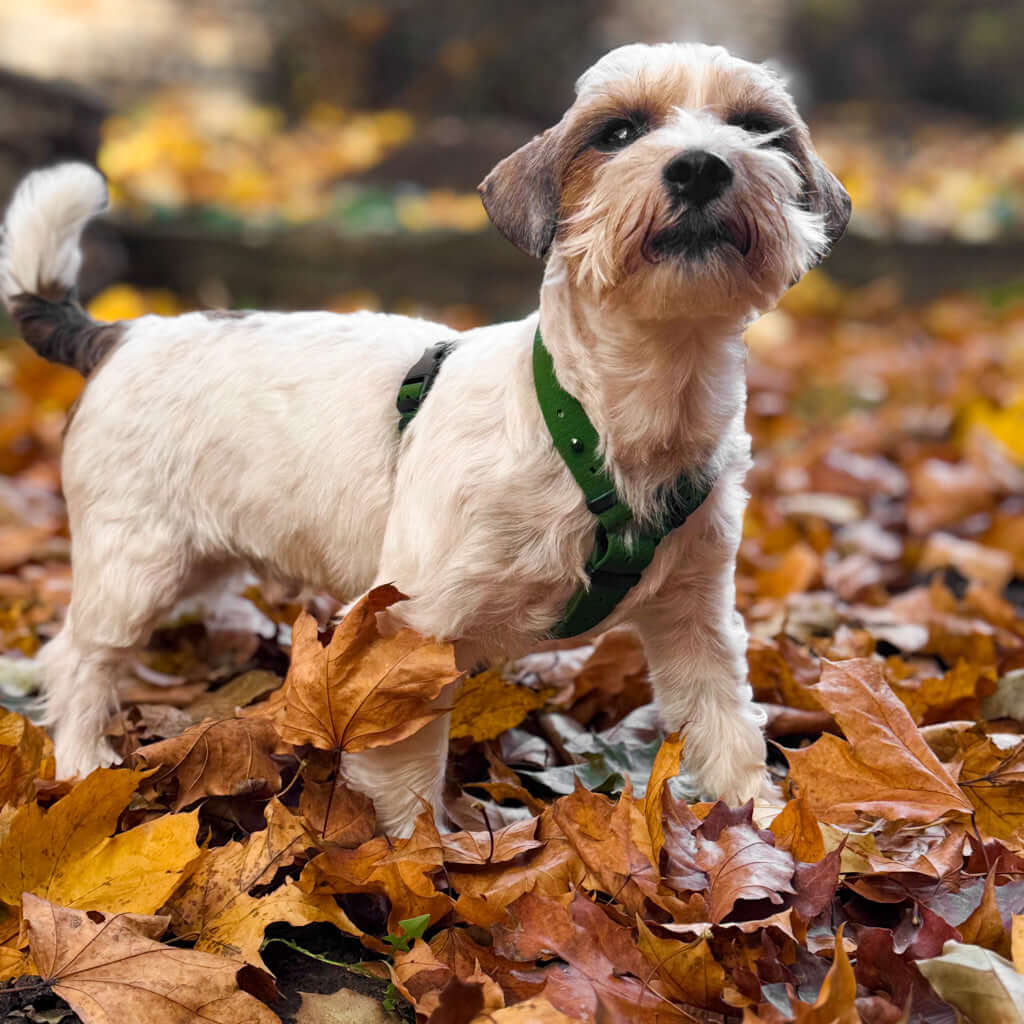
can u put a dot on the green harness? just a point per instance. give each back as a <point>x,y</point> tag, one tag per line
<point>623,547</point>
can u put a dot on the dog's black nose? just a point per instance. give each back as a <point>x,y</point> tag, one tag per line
<point>697,177</point>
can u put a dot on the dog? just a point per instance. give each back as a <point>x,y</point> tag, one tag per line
<point>677,198</point>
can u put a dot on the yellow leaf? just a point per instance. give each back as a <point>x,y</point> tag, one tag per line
<point>488,705</point>
<point>26,754</point>
<point>70,856</point>
<point>1017,942</point>
<point>797,830</point>
<point>689,968</point>
<point>666,766</point>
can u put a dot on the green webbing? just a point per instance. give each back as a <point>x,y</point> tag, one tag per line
<point>617,562</point>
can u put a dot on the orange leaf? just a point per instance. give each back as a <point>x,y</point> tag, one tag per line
<point>885,769</point>
<point>666,766</point>
<point>362,690</point>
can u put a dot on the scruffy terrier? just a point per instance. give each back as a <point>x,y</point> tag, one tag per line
<point>677,198</point>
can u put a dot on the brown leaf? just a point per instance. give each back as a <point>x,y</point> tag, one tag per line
<point>554,870</point>
<point>214,909</point>
<point>401,869</point>
<point>362,690</point>
<point>497,847</point>
<point>109,968</point>
<point>227,758</point>
<point>457,951</point>
<point>742,865</point>
<point>957,694</point>
<point>338,814</point>
<point>488,705</point>
<point>885,769</point>
<point>606,971</point>
<point>531,1011</point>
<point>238,693</point>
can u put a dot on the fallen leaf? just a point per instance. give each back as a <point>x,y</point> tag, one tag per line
<point>70,855</point>
<point>500,846</point>
<point>238,693</point>
<point>488,704</point>
<point>227,758</point>
<point>214,910</point>
<point>362,690</point>
<point>666,766</point>
<point>979,983</point>
<point>401,869</point>
<point>689,969</point>
<point>26,754</point>
<point>109,968</point>
<point>335,813</point>
<point>342,1007</point>
<point>741,865</point>
<point>531,1011</point>
<point>836,1000</point>
<point>797,831</point>
<point>885,768</point>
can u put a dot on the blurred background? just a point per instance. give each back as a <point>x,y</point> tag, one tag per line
<point>324,154</point>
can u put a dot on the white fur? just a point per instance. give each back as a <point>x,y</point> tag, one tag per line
<point>272,441</point>
<point>44,221</point>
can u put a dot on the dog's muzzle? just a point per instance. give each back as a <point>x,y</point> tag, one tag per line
<point>696,177</point>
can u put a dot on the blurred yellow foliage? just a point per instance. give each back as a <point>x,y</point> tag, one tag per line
<point>191,148</point>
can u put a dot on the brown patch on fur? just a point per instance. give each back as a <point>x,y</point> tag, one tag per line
<point>61,331</point>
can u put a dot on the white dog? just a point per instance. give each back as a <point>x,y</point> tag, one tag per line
<point>677,197</point>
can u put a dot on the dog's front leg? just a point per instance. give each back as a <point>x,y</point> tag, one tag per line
<point>696,649</point>
<point>404,776</point>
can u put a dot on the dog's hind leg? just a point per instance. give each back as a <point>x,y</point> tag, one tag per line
<point>123,581</point>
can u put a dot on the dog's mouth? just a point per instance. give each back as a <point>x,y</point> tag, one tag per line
<point>695,234</point>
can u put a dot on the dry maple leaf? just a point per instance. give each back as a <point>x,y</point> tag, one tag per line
<point>741,864</point>
<point>885,769</point>
<point>613,842</point>
<point>486,891</point>
<point>607,978</point>
<point>797,831</point>
<point>26,754</point>
<point>835,1003</point>
<point>335,813</point>
<point>488,704</point>
<point>71,856</point>
<point>401,869</point>
<point>227,758</point>
<point>497,847</point>
<point>666,766</point>
<point>214,908</point>
<point>362,690</point>
<point>109,968</point>
<point>689,969</point>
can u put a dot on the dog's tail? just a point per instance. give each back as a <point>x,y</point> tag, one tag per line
<point>39,262</point>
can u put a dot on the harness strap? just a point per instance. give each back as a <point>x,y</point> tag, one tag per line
<point>419,380</point>
<point>622,548</point>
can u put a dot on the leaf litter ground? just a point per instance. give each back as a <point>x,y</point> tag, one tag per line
<point>225,873</point>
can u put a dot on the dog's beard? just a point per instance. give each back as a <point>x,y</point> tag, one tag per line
<point>695,233</point>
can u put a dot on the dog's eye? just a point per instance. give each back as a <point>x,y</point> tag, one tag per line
<point>617,134</point>
<point>761,124</point>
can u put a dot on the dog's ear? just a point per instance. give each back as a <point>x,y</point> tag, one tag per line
<point>826,195</point>
<point>522,193</point>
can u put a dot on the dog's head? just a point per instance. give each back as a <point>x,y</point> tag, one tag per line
<point>681,173</point>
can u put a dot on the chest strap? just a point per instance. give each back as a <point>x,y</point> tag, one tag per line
<point>620,554</point>
<point>419,380</point>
